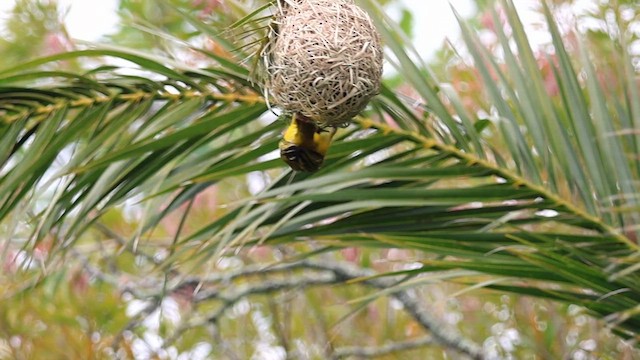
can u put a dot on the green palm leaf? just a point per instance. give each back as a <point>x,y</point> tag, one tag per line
<point>75,146</point>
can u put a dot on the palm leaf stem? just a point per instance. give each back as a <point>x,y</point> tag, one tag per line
<point>515,179</point>
<point>43,111</point>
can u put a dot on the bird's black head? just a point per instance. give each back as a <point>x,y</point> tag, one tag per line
<point>300,158</point>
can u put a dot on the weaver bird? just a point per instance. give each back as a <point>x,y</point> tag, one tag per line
<point>304,144</point>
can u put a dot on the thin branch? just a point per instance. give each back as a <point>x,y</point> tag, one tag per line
<point>44,110</point>
<point>373,352</point>
<point>338,273</point>
<point>126,245</point>
<point>440,332</point>
<point>149,309</point>
<point>265,287</point>
<point>230,276</point>
<point>133,290</point>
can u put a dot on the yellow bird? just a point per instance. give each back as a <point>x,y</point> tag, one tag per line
<point>304,144</point>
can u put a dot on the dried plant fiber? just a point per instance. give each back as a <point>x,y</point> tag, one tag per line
<point>325,61</point>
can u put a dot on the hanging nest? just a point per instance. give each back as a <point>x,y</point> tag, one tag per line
<point>324,61</point>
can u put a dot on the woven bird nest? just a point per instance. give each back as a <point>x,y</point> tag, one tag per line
<point>325,61</point>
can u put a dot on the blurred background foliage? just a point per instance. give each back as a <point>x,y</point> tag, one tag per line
<point>32,29</point>
<point>94,299</point>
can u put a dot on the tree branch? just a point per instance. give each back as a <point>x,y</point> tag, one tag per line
<point>331,273</point>
<point>373,352</point>
<point>441,333</point>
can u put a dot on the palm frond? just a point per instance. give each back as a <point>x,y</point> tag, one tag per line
<point>86,143</point>
<point>543,217</point>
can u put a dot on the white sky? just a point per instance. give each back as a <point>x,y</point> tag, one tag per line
<point>90,19</point>
<point>434,21</point>
<point>86,19</point>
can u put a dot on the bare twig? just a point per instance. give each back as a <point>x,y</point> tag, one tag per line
<point>265,287</point>
<point>373,352</point>
<point>229,276</point>
<point>306,274</point>
<point>331,272</point>
<point>441,333</point>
